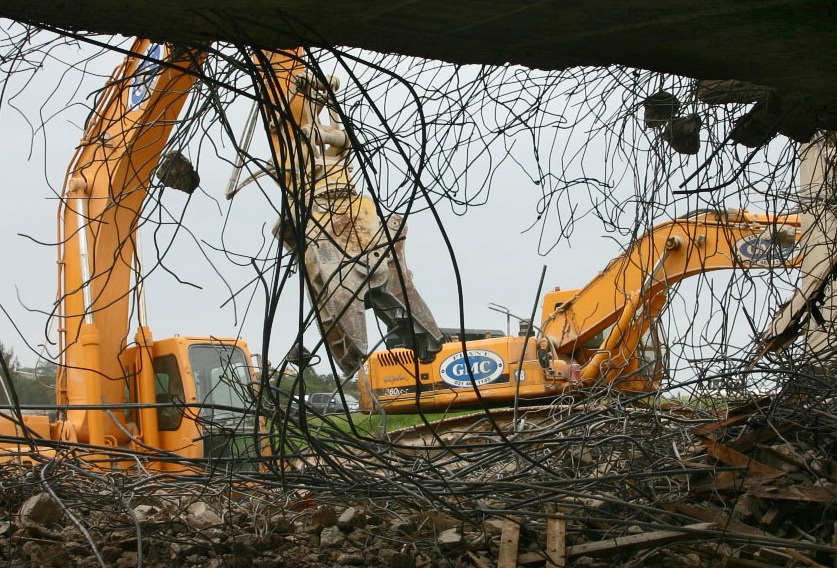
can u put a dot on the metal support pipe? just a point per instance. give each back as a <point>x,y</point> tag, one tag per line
<point>83,256</point>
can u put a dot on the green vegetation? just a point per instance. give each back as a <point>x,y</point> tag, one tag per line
<point>372,424</point>
<point>311,382</point>
<point>365,424</point>
<point>31,385</point>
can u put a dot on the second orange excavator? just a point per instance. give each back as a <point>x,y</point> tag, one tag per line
<point>605,332</point>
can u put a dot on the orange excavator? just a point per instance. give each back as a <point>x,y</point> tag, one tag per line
<point>191,397</point>
<point>182,397</point>
<point>603,333</point>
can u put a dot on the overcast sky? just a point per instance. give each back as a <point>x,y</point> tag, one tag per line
<point>499,262</point>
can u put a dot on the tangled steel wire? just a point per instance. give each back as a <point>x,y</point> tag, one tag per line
<point>430,137</point>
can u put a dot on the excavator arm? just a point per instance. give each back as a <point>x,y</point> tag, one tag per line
<point>664,256</point>
<point>353,256</point>
<point>100,208</point>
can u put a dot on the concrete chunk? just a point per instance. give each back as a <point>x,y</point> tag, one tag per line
<point>201,516</point>
<point>41,509</point>
<point>352,518</point>
<point>332,537</point>
<point>449,539</point>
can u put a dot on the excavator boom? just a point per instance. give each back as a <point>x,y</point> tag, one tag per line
<point>122,395</point>
<point>671,251</point>
<point>104,193</point>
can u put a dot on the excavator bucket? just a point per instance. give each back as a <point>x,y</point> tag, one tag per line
<point>345,280</point>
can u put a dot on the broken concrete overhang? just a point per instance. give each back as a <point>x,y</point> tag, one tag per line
<point>787,44</point>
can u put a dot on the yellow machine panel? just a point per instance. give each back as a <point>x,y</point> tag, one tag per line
<point>488,371</point>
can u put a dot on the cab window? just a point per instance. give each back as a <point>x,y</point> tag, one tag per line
<point>169,389</point>
<point>222,379</point>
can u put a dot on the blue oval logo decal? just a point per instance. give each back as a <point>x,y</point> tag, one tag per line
<point>484,366</point>
<point>145,76</point>
<point>758,251</point>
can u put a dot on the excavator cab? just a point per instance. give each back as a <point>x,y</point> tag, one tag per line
<point>204,391</point>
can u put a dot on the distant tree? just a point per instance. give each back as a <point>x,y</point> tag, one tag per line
<point>37,386</point>
<point>8,370</point>
<point>32,386</point>
<point>313,382</point>
<point>326,383</point>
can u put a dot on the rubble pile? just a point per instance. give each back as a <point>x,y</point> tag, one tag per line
<point>164,531</point>
<point>755,486</point>
<point>576,484</point>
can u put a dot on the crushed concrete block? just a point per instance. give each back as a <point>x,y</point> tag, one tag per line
<point>493,526</point>
<point>352,518</point>
<point>659,108</point>
<point>373,518</point>
<point>323,517</point>
<point>748,507</point>
<point>793,116</point>
<point>351,559</point>
<point>403,526</point>
<point>771,517</point>
<point>41,509</point>
<point>689,560</point>
<point>177,172</point>
<point>683,134</point>
<point>146,513</point>
<point>201,516</point>
<point>110,554</point>
<point>332,537</point>
<point>279,524</point>
<point>449,539</point>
